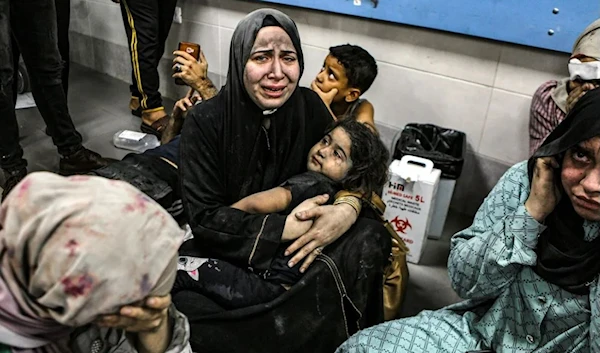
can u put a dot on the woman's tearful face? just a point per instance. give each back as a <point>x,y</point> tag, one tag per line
<point>272,71</point>
<point>581,178</point>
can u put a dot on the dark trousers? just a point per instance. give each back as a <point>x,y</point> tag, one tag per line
<point>33,24</point>
<point>63,17</point>
<point>147,23</point>
<point>227,285</point>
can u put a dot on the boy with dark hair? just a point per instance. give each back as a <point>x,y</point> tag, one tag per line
<point>347,73</point>
<point>349,157</point>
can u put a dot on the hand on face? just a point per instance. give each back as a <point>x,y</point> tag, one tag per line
<point>326,97</point>
<point>578,90</point>
<point>330,81</point>
<point>545,193</point>
<point>272,71</point>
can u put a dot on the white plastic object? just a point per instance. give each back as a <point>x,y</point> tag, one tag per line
<point>413,167</point>
<point>177,15</point>
<point>135,141</point>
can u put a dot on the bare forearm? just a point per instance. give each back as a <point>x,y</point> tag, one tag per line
<point>205,88</point>
<point>248,204</point>
<point>264,202</point>
<point>173,129</point>
<point>157,341</point>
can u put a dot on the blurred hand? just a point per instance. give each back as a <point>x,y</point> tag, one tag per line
<point>147,317</point>
<point>181,106</point>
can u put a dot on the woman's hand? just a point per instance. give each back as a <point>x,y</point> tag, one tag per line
<point>545,193</point>
<point>190,70</point>
<point>294,227</point>
<point>326,97</point>
<point>578,91</point>
<point>149,316</point>
<point>330,222</point>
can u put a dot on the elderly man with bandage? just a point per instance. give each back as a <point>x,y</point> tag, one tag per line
<point>554,99</point>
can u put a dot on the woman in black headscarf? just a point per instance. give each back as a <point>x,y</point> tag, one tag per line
<point>254,135</point>
<point>530,262</point>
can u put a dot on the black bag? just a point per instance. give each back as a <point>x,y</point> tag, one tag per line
<point>444,147</point>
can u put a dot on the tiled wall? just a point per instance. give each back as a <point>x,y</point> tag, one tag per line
<point>478,86</point>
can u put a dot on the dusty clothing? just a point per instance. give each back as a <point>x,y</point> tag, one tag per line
<point>65,244</point>
<point>531,287</point>
<point>227,153</point>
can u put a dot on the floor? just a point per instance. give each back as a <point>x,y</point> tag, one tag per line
<point>99,107</point>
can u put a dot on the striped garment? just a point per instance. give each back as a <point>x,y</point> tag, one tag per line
<point>544,115</point>
<point>510,309</point>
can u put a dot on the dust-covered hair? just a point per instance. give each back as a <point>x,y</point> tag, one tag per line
<point>360,66</point>
<point>369,158</point>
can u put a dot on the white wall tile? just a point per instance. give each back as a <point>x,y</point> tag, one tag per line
<point>456,56</point>
<point>474,85</point>
<point>313,61</point>
<point>447,54</point>
<point>225,35</point>
<point>203,11</point>
<point>205,35</point>
<point>231,12</point>
<point>402,95</point>
<point>506,133</point>
<point>523,70</point>
<point>106,22</point>
<point>80,21</point>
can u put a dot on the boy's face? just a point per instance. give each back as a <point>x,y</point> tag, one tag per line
<point>333,75</point>
<point>331,155</point>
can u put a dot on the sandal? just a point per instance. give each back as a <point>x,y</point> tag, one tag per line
<point>157,127</point>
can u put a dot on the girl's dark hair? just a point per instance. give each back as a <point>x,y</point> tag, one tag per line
<point>369,157</point>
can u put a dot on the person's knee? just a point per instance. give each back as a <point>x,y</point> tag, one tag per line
<point>47,73</point>
<point>6,69</point>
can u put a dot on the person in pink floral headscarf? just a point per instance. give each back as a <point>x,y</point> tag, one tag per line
<point>75,249</point>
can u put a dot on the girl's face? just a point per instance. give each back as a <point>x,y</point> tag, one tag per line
<point>331,155</point>
<point>272,71</point>
<point>580,177</point>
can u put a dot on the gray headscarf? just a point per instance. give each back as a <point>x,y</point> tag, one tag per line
<point>245,34</point>
<point>588,43</point>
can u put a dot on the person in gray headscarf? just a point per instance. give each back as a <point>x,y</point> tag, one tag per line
<point>252,136</point>
<point>554,99</point>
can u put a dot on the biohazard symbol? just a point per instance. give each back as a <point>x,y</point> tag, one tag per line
<point>401,225</point>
